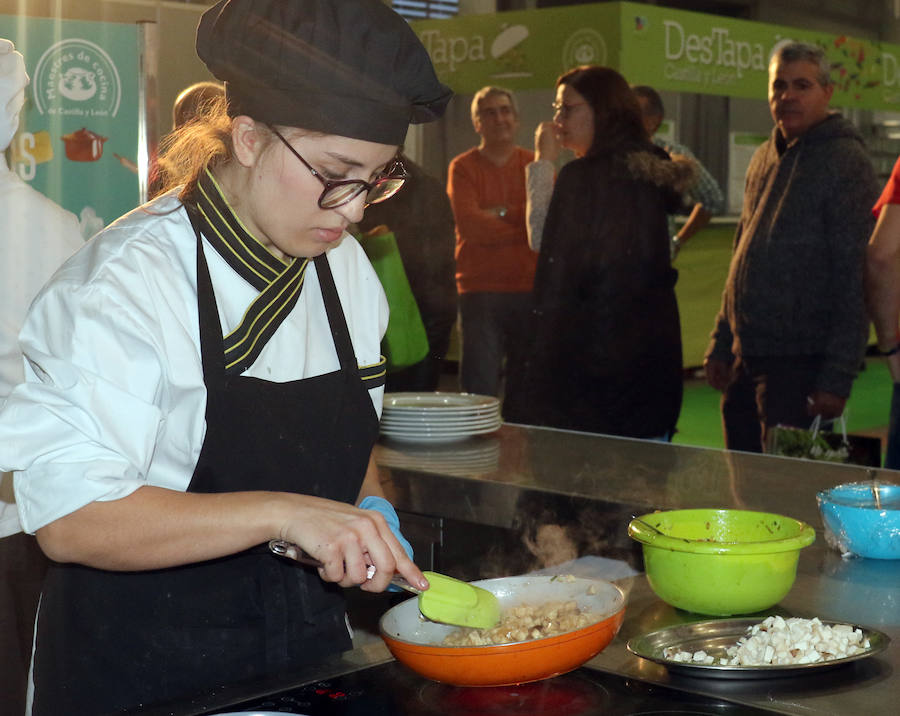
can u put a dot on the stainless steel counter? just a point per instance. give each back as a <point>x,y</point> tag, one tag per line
<point>481,477</point>
<point>491,481</point>
<point>864,687</point>
<point>553,495</point>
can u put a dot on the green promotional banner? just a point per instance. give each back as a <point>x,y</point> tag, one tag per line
<point>673,50</point>
<point>78,133</point>
<point>692,52</point>
<point>525,49</point>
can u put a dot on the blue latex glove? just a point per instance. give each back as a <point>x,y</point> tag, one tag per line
<point>379,504</point>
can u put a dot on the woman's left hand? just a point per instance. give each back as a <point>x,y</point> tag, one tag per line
<point>546,143</point>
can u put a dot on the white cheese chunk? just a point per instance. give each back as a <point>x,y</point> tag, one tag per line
<point>779,642</point>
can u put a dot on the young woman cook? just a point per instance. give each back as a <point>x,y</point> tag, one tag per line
<point>205,376</point>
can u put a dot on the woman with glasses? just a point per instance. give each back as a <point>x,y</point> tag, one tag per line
<point>205,376</point>
<point>606,351</point>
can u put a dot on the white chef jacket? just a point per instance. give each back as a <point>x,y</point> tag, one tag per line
<point>115,397</point>
<point>37,235</point>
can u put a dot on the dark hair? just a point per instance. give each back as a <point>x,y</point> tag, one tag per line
<point>655,105</point>
<point>617,113</point>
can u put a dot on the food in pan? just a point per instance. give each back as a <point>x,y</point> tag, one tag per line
<point>417,642</point>
<point>777,642</point>
<point>524,623</point>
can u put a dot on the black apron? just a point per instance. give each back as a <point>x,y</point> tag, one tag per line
<point>108,641</point>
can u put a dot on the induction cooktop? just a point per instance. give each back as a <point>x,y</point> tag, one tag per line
<point>390,689</point>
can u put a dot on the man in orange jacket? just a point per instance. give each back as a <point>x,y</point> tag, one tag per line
<point>494,264</point>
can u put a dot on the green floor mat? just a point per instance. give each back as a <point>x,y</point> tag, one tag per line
<point>702,268</point>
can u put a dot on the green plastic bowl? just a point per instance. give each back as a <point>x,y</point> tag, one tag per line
<point>720,562</point>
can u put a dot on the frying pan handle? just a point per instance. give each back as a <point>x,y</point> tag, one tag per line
<point>288,549</point>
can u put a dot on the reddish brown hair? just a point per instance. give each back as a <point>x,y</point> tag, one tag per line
<point>617,112</point>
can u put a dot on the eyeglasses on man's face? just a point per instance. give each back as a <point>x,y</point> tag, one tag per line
<point>564,109</point>
<point>339,192</point>
<point>503,110</point>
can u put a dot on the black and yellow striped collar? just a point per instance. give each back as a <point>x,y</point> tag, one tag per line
<point>225,231</point>
<point>279,282</point>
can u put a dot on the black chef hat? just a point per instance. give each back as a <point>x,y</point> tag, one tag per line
<point>349,67</point>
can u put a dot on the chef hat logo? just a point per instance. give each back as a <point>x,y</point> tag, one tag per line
<point>13,80</point>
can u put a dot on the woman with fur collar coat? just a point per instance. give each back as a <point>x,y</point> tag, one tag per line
<point>606,354</point>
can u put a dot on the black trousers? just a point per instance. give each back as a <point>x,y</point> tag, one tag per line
<point>22,569</point>
<point>767,392</point>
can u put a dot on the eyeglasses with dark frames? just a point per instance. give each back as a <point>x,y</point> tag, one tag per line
<point>343,191</point>
<point>564,109</point>
<point>504,110</point>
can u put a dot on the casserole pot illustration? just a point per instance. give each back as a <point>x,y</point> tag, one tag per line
<point>83,145</point>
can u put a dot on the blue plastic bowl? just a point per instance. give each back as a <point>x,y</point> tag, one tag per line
<point>854,523</point>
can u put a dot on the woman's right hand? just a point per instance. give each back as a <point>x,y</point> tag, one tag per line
<point>546,143</point>
<point>719,373</point>
<point>156,528</point>
<point>894,367</point>
<point>347,540</point>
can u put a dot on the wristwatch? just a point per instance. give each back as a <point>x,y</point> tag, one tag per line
<point>892,351</point>
<point>674,246</point>
<point>501,212</point>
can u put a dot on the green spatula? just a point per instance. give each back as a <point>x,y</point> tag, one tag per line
<point>452,601</point>
<point>447,600</point>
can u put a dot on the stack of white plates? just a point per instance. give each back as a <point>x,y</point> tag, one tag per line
<point>438,417</point>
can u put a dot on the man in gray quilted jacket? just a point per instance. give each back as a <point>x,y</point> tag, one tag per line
<point>790,335</point>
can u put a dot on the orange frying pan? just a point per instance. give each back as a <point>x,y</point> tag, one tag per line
<point>417,643</point>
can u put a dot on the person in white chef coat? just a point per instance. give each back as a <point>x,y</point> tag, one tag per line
<point>37,236</point>
<point>205,376</point>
